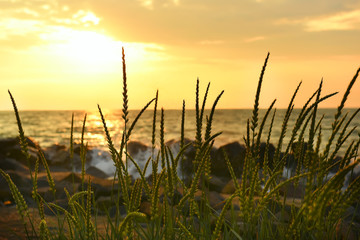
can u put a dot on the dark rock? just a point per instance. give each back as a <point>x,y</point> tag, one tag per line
<point>12,164</point>
<point>215,183</point>
<point>352,213</point>
<point>112,211</point>
<point>293,191</point>
<point>21,180</point>
<point>236,153</point>
<point>186,162</point>
<point>335,168</point>
<point>229,187</point>
<point>282,216</point>
<point>10,148</point>
<point>216,201</point>
<point>59,156</point>
<point>174,200</point>
<point>270,154</point>
<point>134,147</point>
<point>353,175</point>
<point>94,171</point>
<point>145,207</point>
<point>104,202</point>
<point>51,211</point>
<point>347,230</point>
<point>291,162</point>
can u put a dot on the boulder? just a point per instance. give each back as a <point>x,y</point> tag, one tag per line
<point>293,191</point>
<point>12,164</point>
<point>10,148</point>
<point>230,188</point>
<point>236,153</point>
<point>270,154</point>
<point>215,183</point>
<point>94,171</point>
<point>21,180</point>
<point>58,157</point>
<point>216,201</point>
<point>140,153</point>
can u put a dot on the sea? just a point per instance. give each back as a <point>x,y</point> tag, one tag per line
<point>54,127</point>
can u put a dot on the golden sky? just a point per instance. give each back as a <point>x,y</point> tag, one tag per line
<point>66,54</point>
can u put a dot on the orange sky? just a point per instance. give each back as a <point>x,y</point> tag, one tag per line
<point>67,54</point>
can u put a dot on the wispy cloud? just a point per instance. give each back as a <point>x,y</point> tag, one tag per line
<point>341,21</point>
<point>254,39</point>
<point>151,4</point>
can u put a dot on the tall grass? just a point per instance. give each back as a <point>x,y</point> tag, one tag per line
<point>258,191</point>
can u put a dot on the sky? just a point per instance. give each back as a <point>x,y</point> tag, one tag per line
<point>66,54</point>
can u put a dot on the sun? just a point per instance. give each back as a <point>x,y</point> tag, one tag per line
<point>90,51</point>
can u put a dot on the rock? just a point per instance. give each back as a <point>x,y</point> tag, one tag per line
<point>270,154</point>
<point>22,181</point>
<point>135,147</point>
<point>293,191</point>
<point>13,164</point>
<point>175,198</point>
<point>112,211</point>
<point>352,213</point>
<point>335,168</point>
<point>353,175</point>
<point>140,153</point>
<point>347,230</point>
<point>185,167</point>
<point>236,153</point>
<point>94,171</point>
<point>145,207</point>
<point>216,201</point>
<point>282,216</point>
<point>216,183</point>
<point>230,188</point>
<point>100,187</point>
<point>104,202</point>
<point>10,148</point>
<point>58,156</point>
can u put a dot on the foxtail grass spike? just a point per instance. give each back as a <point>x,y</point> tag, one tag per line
<point>263,124</point>
<point>137,118</point>
<point>210,120</point>
<point>198,121</point>
<point>347,92</point>
<point>254,121</point>
<point>154,124</point>
<point>23,142</point>
<point>182,139</point>
<point>312,126</point>
<point>204,103</point>
<point>125,96</point>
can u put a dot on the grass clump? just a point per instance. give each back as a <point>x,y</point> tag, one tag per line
<point>318,214</point>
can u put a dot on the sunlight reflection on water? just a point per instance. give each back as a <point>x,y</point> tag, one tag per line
<point>49,127</point>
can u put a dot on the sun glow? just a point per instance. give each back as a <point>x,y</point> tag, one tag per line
<point>93,51</point>
<point>87,49</point>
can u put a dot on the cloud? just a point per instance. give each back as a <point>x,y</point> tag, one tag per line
<point>340,21</point>
<point>151,4</point>
<point>254,39</point>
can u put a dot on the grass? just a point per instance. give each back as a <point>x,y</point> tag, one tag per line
<point>318,215</point>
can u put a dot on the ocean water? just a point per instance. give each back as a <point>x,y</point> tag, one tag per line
<point>53,127</point>
<point>50,127</point>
